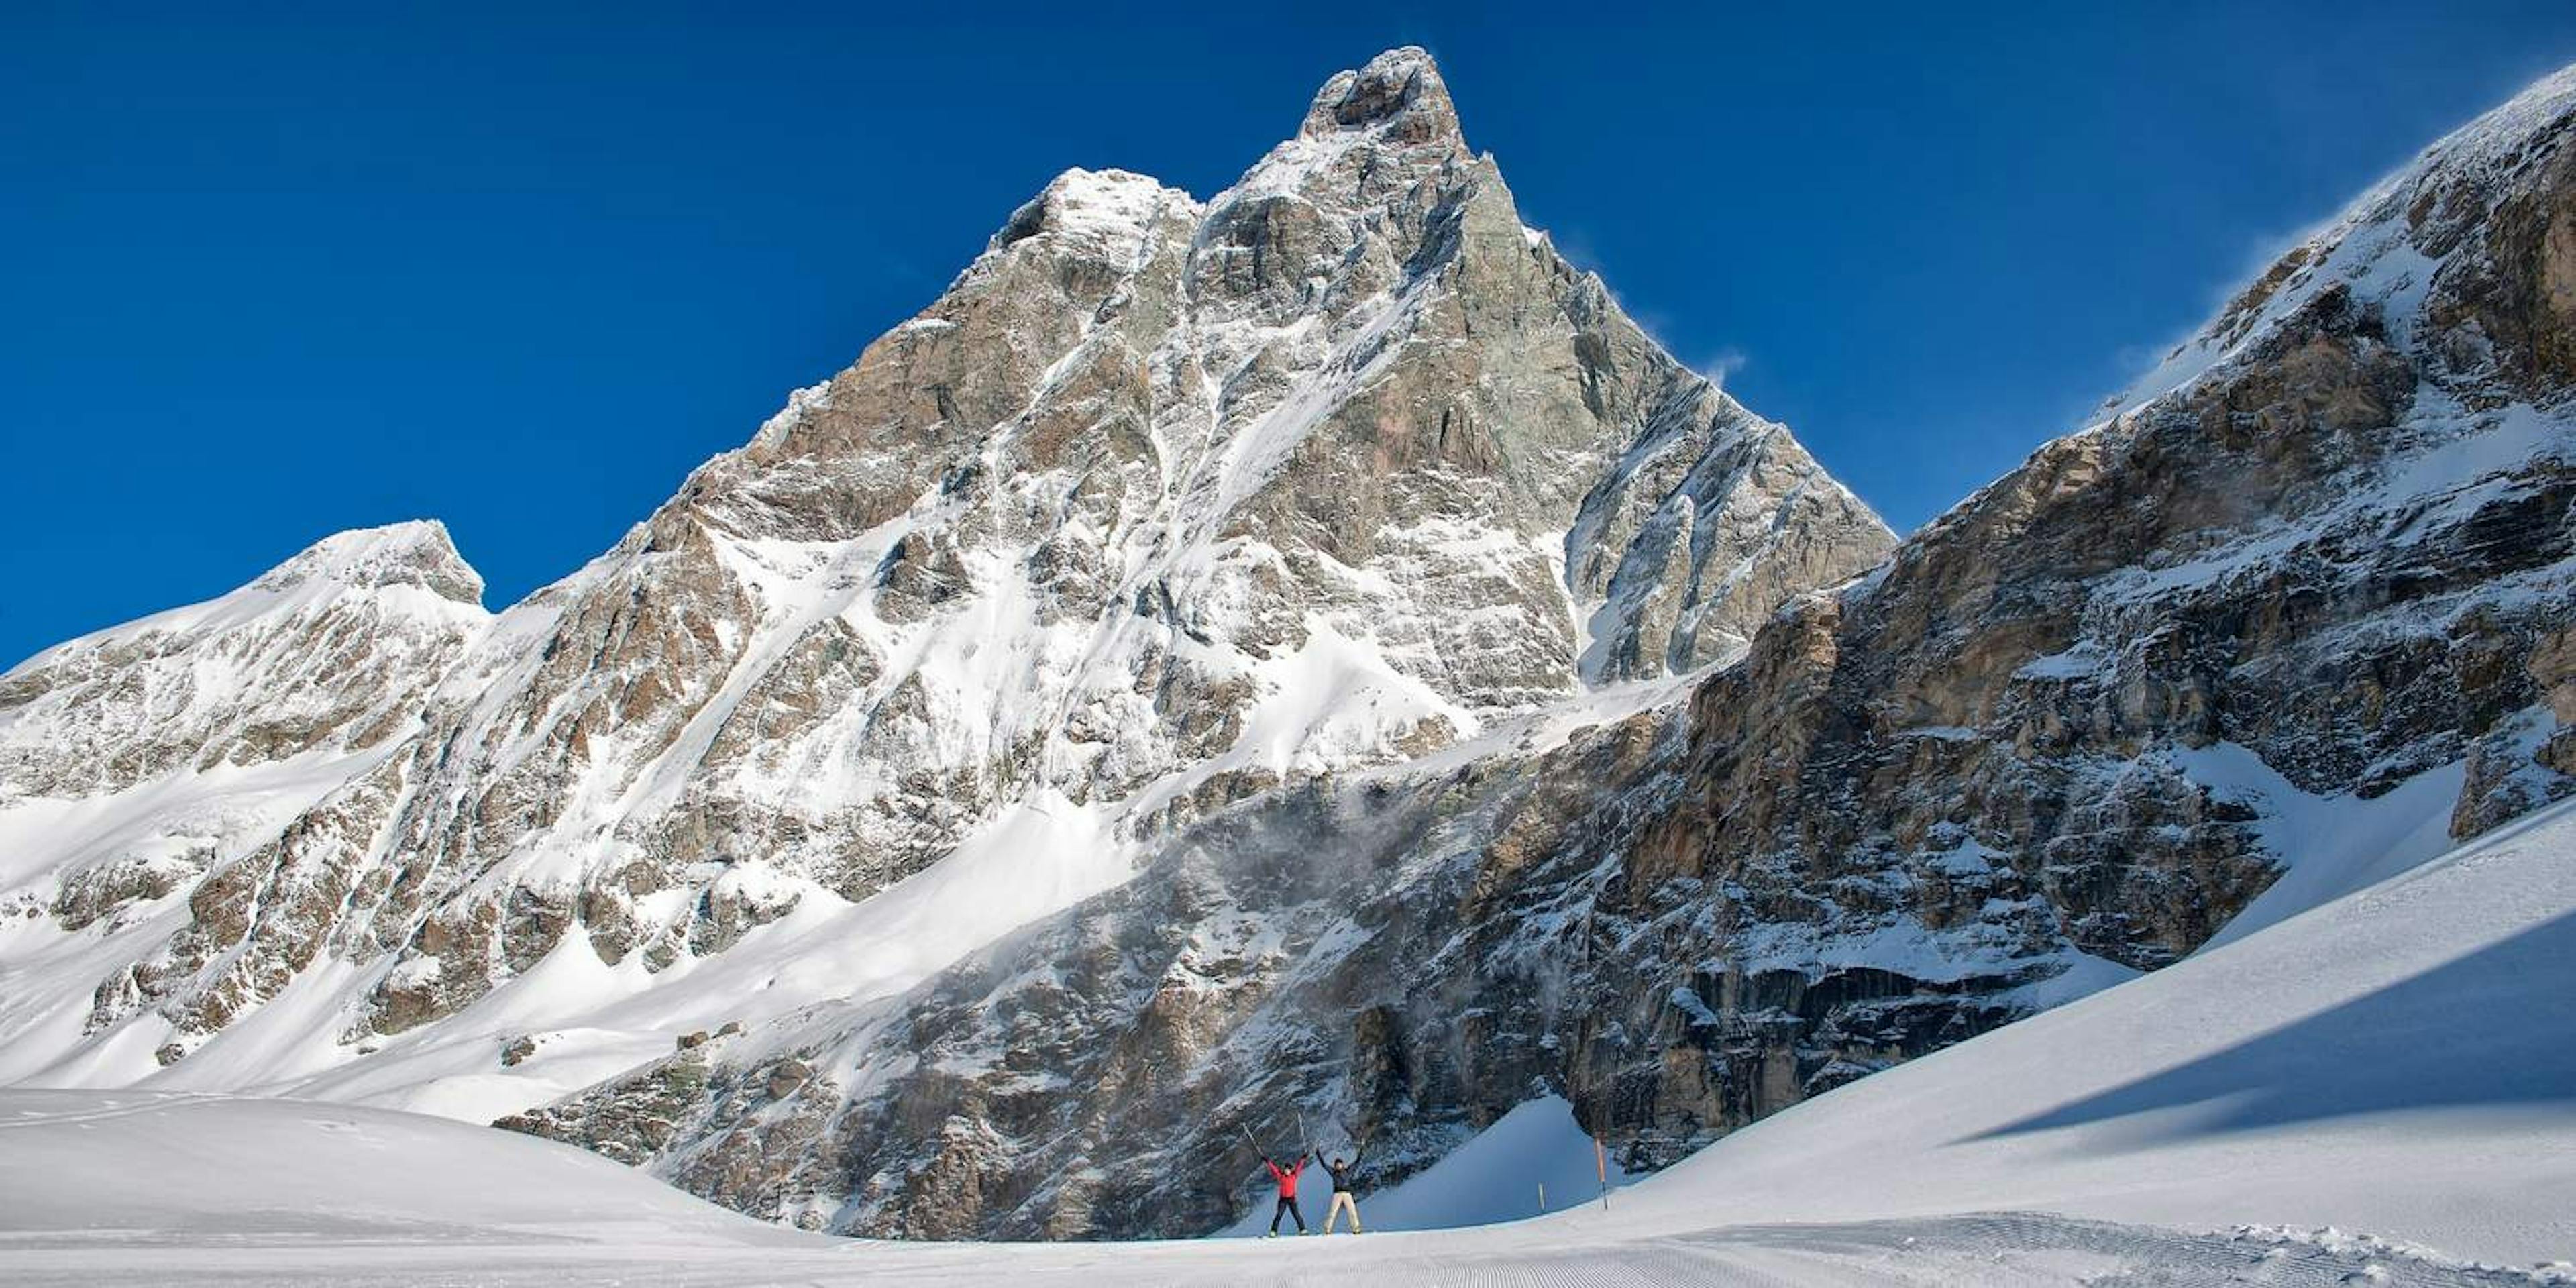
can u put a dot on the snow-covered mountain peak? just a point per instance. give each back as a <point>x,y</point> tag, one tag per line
<point>1160,506</point>
<point>1398,95</point>
<point>2508,137</point>
<point>2437,242</point>
<point>415,553</point>
<point>1218,667</point>
<point>1100,212</point>
<point>328,654</point>
<point>1381,142</point>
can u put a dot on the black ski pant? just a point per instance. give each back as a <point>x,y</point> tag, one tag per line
<point>1287,1207</point>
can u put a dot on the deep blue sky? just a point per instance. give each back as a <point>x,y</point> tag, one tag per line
<point>279,272</point>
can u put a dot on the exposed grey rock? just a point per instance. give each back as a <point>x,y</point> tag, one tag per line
<point>1154,453</point>
<point>2333,540</point>
<point>1288,534</point>
<point>333,650</point>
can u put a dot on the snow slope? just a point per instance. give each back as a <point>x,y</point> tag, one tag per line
<point>112,1164</point>
<point>2401,1061</point>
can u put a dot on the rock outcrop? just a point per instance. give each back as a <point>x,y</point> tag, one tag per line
<point>2302,602</point>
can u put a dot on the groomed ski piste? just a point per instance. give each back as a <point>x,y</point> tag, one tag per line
<point>2379,1090</point>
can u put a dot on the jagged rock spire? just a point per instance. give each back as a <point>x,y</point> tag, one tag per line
<point>1398,93</point>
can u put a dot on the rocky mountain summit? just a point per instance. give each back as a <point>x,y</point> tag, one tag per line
<point>134,756</point>
<point>329,651</point>
<point>1161,505</point>
<point>1304,663</point>
<point>2302,601</point>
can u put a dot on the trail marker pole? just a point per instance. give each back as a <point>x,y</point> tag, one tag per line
<point>1542,1198</point>
<point>1601,1165</point>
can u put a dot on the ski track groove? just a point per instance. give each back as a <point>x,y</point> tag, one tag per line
<point>160,1101</point>
<point>2005,1250</point>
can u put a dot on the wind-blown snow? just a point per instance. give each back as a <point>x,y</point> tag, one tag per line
<point>2368,248</point>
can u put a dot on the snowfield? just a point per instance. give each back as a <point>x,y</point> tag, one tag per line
<point>2378,1090</point>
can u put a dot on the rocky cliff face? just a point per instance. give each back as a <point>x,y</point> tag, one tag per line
<point>2295,613</point>
<point>1162,505</point>
<point>329,652</point>
<point>134,761</point>
<point>1306,656</point>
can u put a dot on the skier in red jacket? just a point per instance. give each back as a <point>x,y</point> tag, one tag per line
<point>1287,1179</point>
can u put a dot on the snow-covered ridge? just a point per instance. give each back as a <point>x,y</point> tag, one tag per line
<point>327,647</point>
<point>2386,247</point>
<point>2301,611</point>
<point>416,554</point>
<point>1102,214</point>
